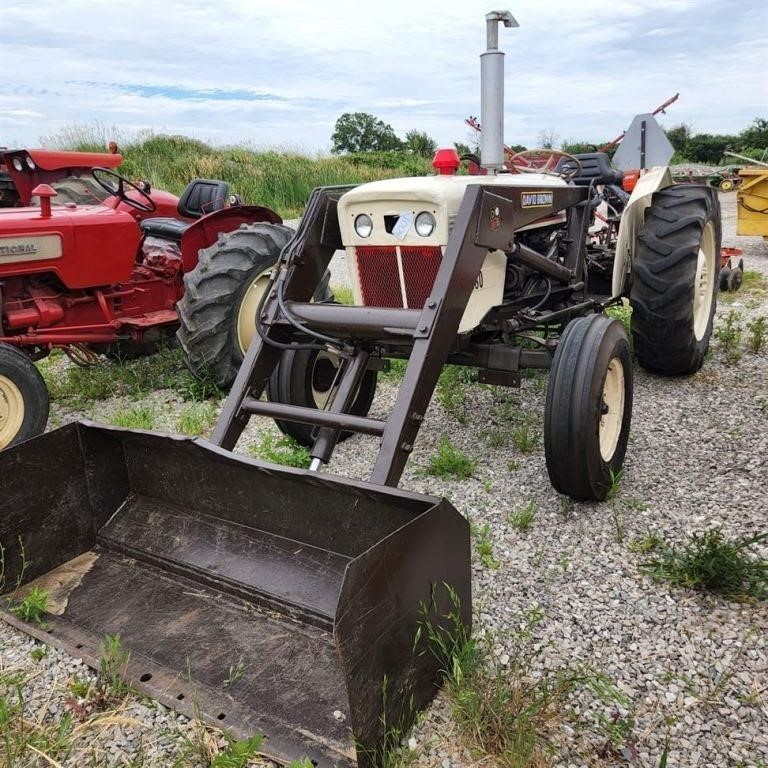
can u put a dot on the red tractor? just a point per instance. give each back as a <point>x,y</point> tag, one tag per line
<point>116,268</point>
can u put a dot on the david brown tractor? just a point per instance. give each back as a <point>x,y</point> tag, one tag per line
<point>319,585</point>
<point>99,264</point>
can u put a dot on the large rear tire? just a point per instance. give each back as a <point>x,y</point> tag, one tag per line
<point>588,407</point>
<point>306,378</point>
<point>217,313</point>
<point>24,398</point>
<point>674,279</point>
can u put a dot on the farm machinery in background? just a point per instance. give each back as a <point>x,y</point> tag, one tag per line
<point>100,264</point>
<point>321,586</point>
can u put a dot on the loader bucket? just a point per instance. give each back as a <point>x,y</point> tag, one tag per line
<point>311,588</point>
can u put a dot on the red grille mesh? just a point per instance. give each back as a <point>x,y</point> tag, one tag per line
<point>420,265</point>
<point>379,277</point>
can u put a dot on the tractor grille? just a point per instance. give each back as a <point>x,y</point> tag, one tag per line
<point>379,269</point>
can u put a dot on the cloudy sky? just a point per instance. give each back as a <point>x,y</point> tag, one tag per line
<point>280,73</point>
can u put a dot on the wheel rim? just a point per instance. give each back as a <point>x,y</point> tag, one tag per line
<point>246,315</point>
<point>726,185</point>
<point>324,379</point>
<point>11,411</point>
<point>612,409</point>
<point>704,286</point>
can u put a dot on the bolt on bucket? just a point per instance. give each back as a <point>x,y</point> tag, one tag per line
<point>312,588</point>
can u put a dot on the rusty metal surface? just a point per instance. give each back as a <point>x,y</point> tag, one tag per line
<point>202,560</point>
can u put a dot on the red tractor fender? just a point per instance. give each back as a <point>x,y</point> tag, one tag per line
<point>204,232</point>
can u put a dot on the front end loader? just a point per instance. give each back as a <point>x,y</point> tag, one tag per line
<point>319,587</point>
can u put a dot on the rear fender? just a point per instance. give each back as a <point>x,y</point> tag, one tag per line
<point>632,220</point>
<point>204,232</point>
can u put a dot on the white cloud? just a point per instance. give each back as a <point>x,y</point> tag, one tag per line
<point>581,68</point>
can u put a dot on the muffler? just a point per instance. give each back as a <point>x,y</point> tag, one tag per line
<point>313,586</point>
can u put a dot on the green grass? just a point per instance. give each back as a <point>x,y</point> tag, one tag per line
<point>650,542</point>
<point>32,606</point>
<point>196,418</point>
<point>709,561</point>
<point>342,294</point>
<point>140,416</point>
<point>508,712</point>
<point>728,334</point>
<point>281,180</point>
<point>449,461</point>
<point>484,546</point>
<point>282,450</point>
<point>622,312</point>
<point>756,334</point>
<point>453,389</point>
<point>522,518</point>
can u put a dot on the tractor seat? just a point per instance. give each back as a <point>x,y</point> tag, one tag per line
<point>200,197</point>
<point>595,168</point>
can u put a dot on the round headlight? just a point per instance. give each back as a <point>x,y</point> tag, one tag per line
<point>363,225</point>
<point>17,164</point>
<point>31,163</point>
<point>425,224</point>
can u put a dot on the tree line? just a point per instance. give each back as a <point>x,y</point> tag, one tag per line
<point>357,132</point>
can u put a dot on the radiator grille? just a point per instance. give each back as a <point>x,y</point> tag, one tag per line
<point>377,267</point>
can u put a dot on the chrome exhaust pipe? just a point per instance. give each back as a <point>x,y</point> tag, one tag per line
<point>492,93</point>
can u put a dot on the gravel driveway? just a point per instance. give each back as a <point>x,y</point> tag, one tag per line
<point>693,666</point>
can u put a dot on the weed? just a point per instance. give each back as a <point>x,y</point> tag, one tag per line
<point>196,418</point>
<point>450,461</point>
<point>136,417</point>
<point>80,688</point>
<point>648,543</point>
<point>508,712</point>
<point>32,606</point>
<point>711,562</point>
<point>113,659</point>
<point>756,332</point>
<point>523,518</point>
<point>342,294</point>
<point>484,546</point>
<point>525,437</point>
<point>282,450</point>
<point>622,312</point>
<point>452,391</point>
<point>566,507</point>
<point>613,489</point>
<point>38,653</point>
<point>394,374</point>
<point>728,334</point>
<point>237,753</point>
<point>618,523</point>
<point>236,672</point>
<point>512,465</point>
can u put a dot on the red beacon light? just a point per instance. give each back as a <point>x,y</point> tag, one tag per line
<point>446,161</point>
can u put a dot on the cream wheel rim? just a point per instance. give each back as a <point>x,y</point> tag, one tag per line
<point>726,185</point>
<point>246,315</point>
<point>704,285</point>
<point>11,411</point>
<point>611,409</point>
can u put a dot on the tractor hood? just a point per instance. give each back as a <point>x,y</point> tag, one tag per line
<point>441,195</point>
<point>84,246</point>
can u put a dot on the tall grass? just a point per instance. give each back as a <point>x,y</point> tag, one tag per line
<point>281,180</point>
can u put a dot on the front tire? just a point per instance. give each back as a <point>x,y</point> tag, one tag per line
<point>218,310</point>
<point>674,279</point>
<point>588,407</point>
<point>306,378</point>
<point>24,400</point>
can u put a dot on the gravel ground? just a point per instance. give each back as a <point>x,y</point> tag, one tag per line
<point>695,667</point>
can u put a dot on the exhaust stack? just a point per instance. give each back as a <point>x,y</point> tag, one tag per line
<point>492,93</point>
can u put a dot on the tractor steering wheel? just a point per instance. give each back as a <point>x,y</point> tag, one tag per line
<point>546,161</point>
<point>119,192</point>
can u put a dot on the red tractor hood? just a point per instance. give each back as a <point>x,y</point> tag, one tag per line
<point>85,246</point>
<point>55,160</point>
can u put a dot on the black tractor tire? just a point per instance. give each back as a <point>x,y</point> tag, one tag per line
<point>214,293</point>
<point>675,279</point>
<point>24,400</point>
<point>301,378</point>
<point>588,408</point>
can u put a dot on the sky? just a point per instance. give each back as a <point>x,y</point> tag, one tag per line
<point>279,74</point>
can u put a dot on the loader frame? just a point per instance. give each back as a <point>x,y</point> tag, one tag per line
<point>487,220</point>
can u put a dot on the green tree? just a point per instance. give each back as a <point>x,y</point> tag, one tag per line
<point>679,136</point>
<point>362,132</point>
<point>420,143</point>
<point>709,148</point>
<point>756,136</point>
